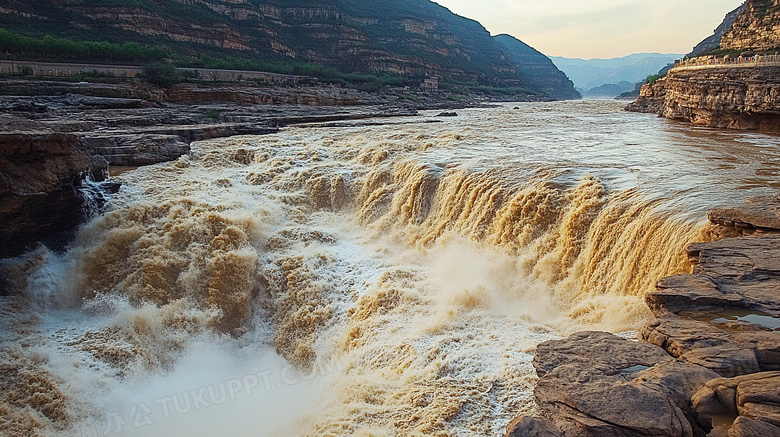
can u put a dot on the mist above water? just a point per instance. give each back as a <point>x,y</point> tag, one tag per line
<point>364,280</point>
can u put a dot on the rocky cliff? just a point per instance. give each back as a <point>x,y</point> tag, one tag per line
<point>736,96</point>
<point>757,28</point>
<point>39,172</point>
<point>713,41</point>
<point>538,71</point>
<point>406,37</point>
<point>733,98</point>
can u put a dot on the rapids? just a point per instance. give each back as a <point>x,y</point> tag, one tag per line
<point>383,278</point>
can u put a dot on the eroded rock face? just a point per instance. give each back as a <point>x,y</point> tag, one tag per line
<point>405,37</point>
<point>599,384</point>
<point>39,170</point>
<point>724,316</point>
<point>745,427</point>
<point>757,27</point>
<point>732,98</point>
<point>729,348</point>
<point>754,398</point>
<point>652,98</point>
<point>713,41</point>
<point>759,215</point>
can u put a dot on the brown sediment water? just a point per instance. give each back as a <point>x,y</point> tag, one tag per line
<point>388,279</point>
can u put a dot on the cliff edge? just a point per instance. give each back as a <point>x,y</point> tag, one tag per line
<point>737,88</point>
<point>731,98</point>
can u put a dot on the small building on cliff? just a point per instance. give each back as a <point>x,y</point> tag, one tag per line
<point>430,84</point>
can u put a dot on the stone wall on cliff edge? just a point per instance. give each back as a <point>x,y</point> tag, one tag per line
<point>735,97</point>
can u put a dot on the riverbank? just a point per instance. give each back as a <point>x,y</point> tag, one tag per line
<point>707,364</point>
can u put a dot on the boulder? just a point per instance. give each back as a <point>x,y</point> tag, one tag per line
<point>587,379</point>
<point>754,398</point>
<point>745,427</point>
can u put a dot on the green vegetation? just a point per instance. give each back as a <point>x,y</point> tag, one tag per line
<point>162,74</point>
<point>25,70</point>
<point>160,62</point>
<point>213,113</point>
<point>50,48</point>
<point>402,35</point>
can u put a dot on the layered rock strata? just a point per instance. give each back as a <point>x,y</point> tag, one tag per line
<point>734,98</point>
<point>413,38</point>
<point>709,358</point>
<point>757,28</point>
<point>741,95</point>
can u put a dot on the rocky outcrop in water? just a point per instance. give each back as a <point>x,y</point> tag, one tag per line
<point>712,351</point>
<point>39,172</point>
<point>733,98</point>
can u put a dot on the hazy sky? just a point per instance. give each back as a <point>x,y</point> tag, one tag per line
<point>599,28</point>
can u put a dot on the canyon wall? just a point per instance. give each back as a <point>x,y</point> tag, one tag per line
<point>406,37</point>
<point>734,98</point>
<point>720,92</point>
<point>39,172</point>
<point>757,28</point>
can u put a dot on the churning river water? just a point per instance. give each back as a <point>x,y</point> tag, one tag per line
<point>385,278</point>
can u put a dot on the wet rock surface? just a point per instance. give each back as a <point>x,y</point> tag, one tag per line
<point>759,215</point>
<point>587,379</point>
<point>726,315</point>
<point>711,354</point>
<point>754,400</point>
<point>39,172</point>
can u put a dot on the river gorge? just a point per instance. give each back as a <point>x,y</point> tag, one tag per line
<point>374,277</point>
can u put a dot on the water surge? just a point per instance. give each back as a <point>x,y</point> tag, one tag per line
<point>382,280</point>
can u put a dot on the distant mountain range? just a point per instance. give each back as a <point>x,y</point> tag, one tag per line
<point>412,38</point>
<point>622,72</point>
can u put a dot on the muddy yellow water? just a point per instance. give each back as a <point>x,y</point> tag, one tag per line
<point>372,280</point>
